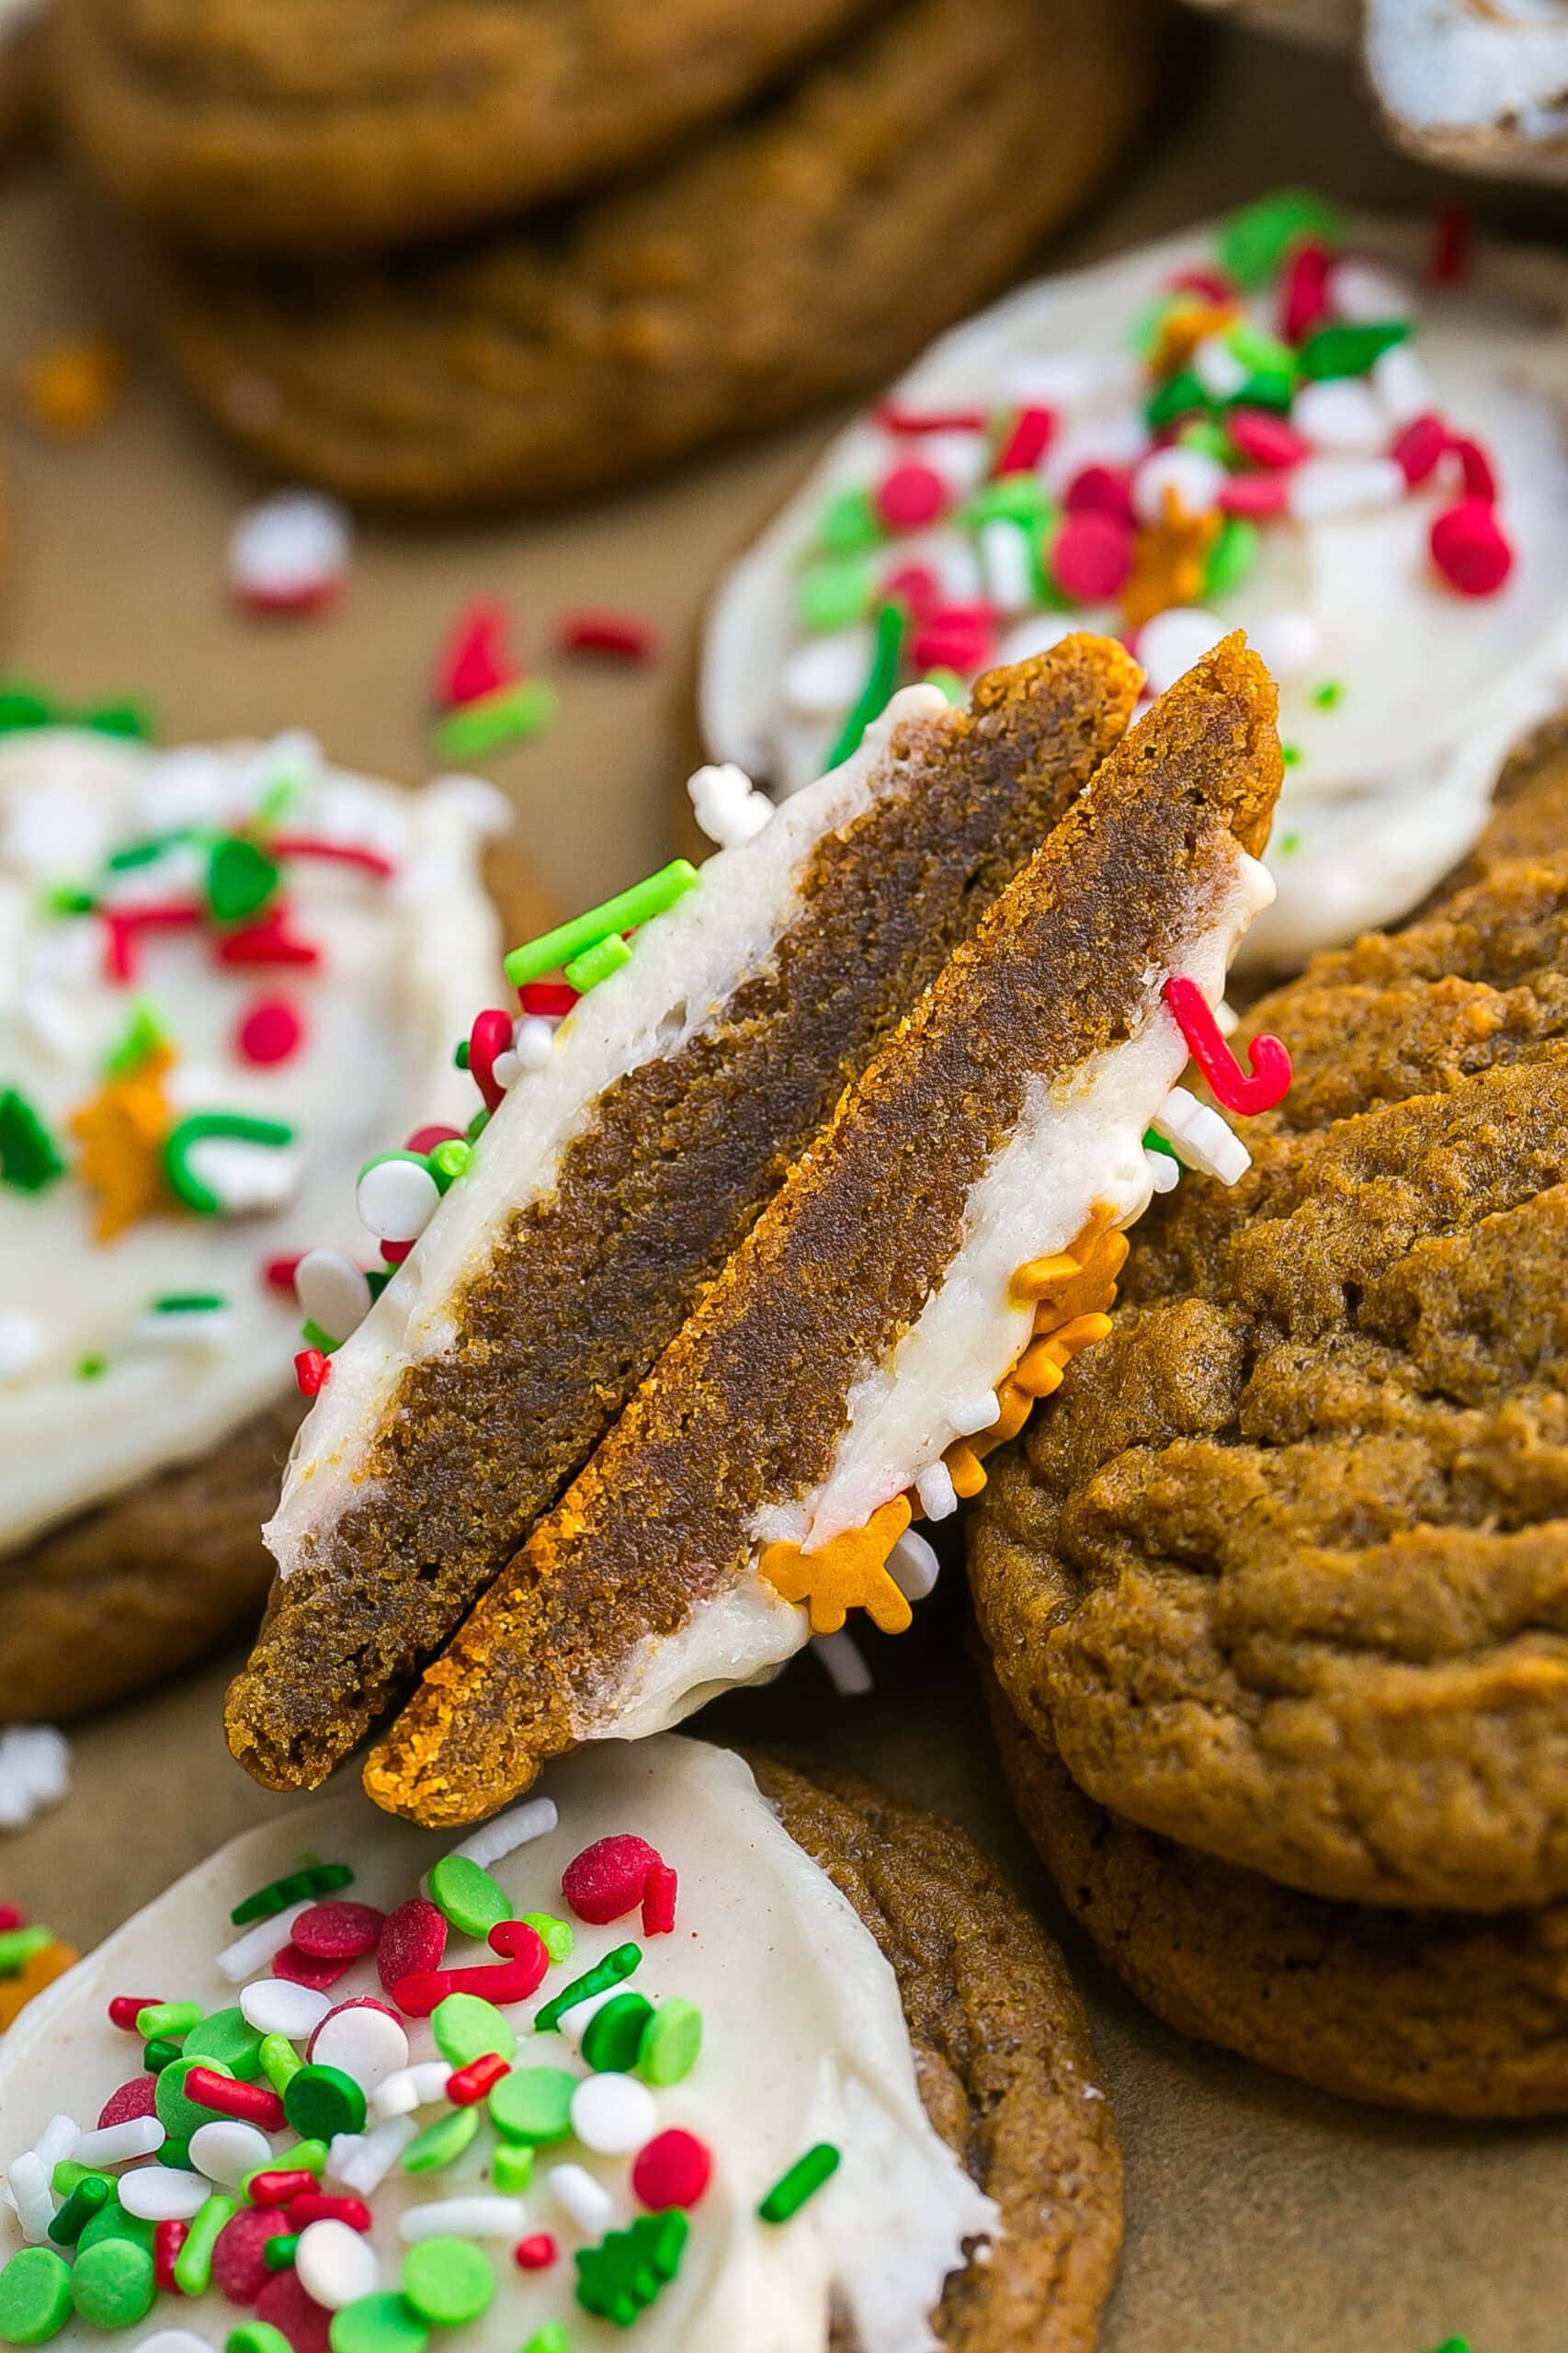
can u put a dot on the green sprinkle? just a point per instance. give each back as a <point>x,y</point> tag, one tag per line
<point>22,707</point>
<point>1205,433</point>
<point>239,1127</point>
<point>67,2174</point>
<point>1291,755</point>
<point>240,879</point>
<point>1289,843</point>
<point>193,2264</point>
<point>188,1302</point>
<point>558,1936</point>
<point>131,719</point>
<point>142,1038</point>
<point>597,963</point>
<point>315,1337</point>
<point>443,2142</point>
<point>532,2104</point>
<point>476,1127</point>
<point>1330,694</point>
<point>279,2250</point>
<point>620,2277</point>
<point>1147,324</point>
<point>159,2051</point>
<point>1010,498</point>
<point>89,2198</point>
<point>63,900</point>
<point>1255,241</point>
<point>1154,1143</point>
<point>1179,396</point>
<point>510,715</point>
<point>383,2322</point>
<point>256,2337</point>
<point>468,2027</point>
<point>175,2150</point>
<point>947,683</point>
<point>30,1157</point>
<point>629,908</point>
<point>551,2338</point>
<point>512,2167</point>
<point>17,1946</point>
<point>114,2223</point>
<point>804,2178</point>
<point>112,2284</point>
<point>598,1980</point>
<point>318,1879</point>
<point>887,656</point>
<point>321,2102</point>
<point>448,1161</point>
<point>847,524</point>
<point>1349,350</point>
<point>460,1054</point>
<point>467,1896</point>
<point>448,2281</point>
<point>178,2116</point>
<point>672,2044</point>
<point>1232,555</point>
<point>836,594</point>
<point>35,2296</point>
<point>228,2035</point>
<point>91,1367</point>
<point>281,2063</point>
<point>1259,350</point>
<point>146,852</point>
<point>168,2018</point>
<point>614,2034</point>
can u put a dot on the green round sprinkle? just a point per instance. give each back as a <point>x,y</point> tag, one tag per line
<point>384,2322</point>
<point>533,2104</point>
<point>467,2026</point>
<point>447,2280</point>
<point>614,2035</point>
<point>671,2044</point>
<point>280,2249</point>
<point>598,1980</point>
<point>1330,694</point>
<point>558,1936</point>
<point>35,2296</point>
<point>256,2337</point>
<point>227,2035</point>
<point>112,2284</point>
<point>803,2179</point>
<point>1291,755</point>
<point>443,2142</point>
<point>471,1899</point>
<point>512,2167</point>
<point>321,2102</point>
<point>551,2338</point>
<point>89,2198</point>
<point>1232,555</point>
<point>178,2116</point>
<point>1255,241</point>
<point>114,2223</point>
<point>847,524</point>
<point>835,594</point>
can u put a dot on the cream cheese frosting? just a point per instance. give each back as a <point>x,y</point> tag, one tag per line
<point>1400,699</point>
<point>803,2041</point>
<point>99,1389</point>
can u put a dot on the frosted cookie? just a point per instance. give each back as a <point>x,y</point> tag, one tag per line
<point>226,973</point>
<point>632,1143</point>
<point>1474,85</point>
<point>1271,423</point>
<point>706,2060</point>
<point>930,1267</point>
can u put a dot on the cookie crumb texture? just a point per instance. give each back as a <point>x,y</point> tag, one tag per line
<point>1285,1576</point>
<point>811,249</point>
<point>1002,2051</point>
<point>350,123</point>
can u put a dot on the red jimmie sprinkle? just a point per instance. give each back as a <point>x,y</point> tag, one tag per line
<point>552,998</point>
<point>1245,1093</point>
<point>310,1371</point>
<point>268,942</point>
<point>1468,548</point>
<point>894,418</point>
<point>1091,559</point>
<point>659,1900</point>
<point>138,2097</point>
<point>285,2304</point>
<point>341,1930</point>
<point>1213,285</point>
<point>239,2254</point>
<point>535,2253</point>
<point>469,2084</point>
<point>1028,441</point>
<point>414,1941</point>
<point>1450,260</point>
<point>297,1967</point>
<point>914,586</point>
<point>1303,292</point>
<point>279,1274</point>
<point>592,629</point>
<point>12,1917</point>
<point>1102,490</point>
<point>312,2206</point>
<point>909,497</point>
<point>253,2103</point>
<point>123,2009</point>
<point>1263,438</point>
<point>395,1253</point>
<point>167,2240</point>
<point>672,2169</point>
<point>270,1032</point>
<point>1417,448</point>
<point>606,1880</point>
<point>357,854</point>
<point>275,2189</point>
<point>1256,495</point>
<point>490,1036</point>
<point>474,661</point>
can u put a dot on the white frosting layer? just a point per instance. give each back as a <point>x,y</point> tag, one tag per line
<point>683,972</point>
<point>1393,782</point>
<point>804,2041</point>
<point>405,961</point>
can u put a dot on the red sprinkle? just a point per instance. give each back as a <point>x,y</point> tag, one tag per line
<point>279,1274</point>
<point>239,2260</point>
<point>1450,260</point>
<point>1468,548</point>
<point>427,1138</point>
<point>1417,448</point>
<point>355,2002</point>
<point>168,2237</point>
<point>395,1253</point>
<point>659,1900</point>
<point>312,2206</point>
<point>340,1930</point>
<point>1477,473</point>
<point>1091,559</point>
<point>911,496</point>
<point>1303,293</point>
<point>1027,443</point>
<point>672,2169</point>
<point>1243,1092</point>
<point>591,628</point>
<point>297,1967</point>
<point>552,998</point>
<point>285,2304</point>
<point>894,418</point>
<point>1102,490</point>
<point>504,1981</point>
<point>1254,494</point>
<point>254,2103</point>
<point>270,1031</point>
<point>268,942</point>
<point>12,1917</point>
<point>955,637</point>
<point>123,2009</point>
<point>413,1942</point>
<point>368,860</point>
<point>1211,284</point>
<point>469,2084</point>
<point>474,662</point>
<point>310,1371</point>
<point>275,2189</point>
<point>1264,439</point>
<point>490,1036</point>
<point>606,1880</point>
<point>138,2097</point>
<point>535,2253</point>
<point>914,586</point>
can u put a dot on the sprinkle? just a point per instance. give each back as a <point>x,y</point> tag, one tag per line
<point>592,629</point>
<point>412,2088</point>
<point>310,1371</point>
<point>168,2238</point>
<point>612,2114</point>
<point>849,1572</point>
<point>557,1936</point>
<point>308,2206</point>
<point>672,2169</point>
<point>622,2276</point>
<point>380,2323</point>
<point>639,905</point>
<point>320,2101</point>
<point>882,677</point>
<point>470,2083</point>
<point>193,2265</point>
<point>494,1840</point>
<point>366,2164</point>
<point>251,2102</point>
<point>606,1880</point>
<point>474,663</point>
<point>396,1196</point>
<point>163,2193</point>
<point>295,1889</point>
<point>615,1965</point>
<point>472,2217</point>
<point>242,1184</point>
<point>339,1930</point>
<point>802,2180</point>
<point>332,1292</point>
<point>271,1031</point>
<point>448,2281</point>
<point>1329,693</point>
<point>275,2186</point>
<point>1304,289</point>
<point>659,1900</point>
<point>141,2135</point>
<point>532,2105</point>
<point>581,2199</point>
<point>536,2253</point>
<point>512,1981</point>
<point>1349,349</point>
<point>1258,496</point>
<point>441,2144</point>
<point>727,806</point>
<point>1470,549</point>
<point>229,2151</point>
<point>112,2284</point>
<point>89,2197</point>
<point>1200,1137</point>
<point>125,2008</point>
<point>1450,260</point>
<point>269,941</point>
<point>1170,643</point>
<point>1253,242</point>
<point>612,2037</point>
<point>913,1564</point>
<point>29,1158</point>
<point>959,637</point>
<point>23,1340</point>
<point>336,2266</point>
<point>35,1774</point>
<point>1239,1091</point>
<point>71,388</point>
<point>844,1662</point>
<point>467,2026</point>
<point>1326,486</point>
<point>597,963</point>
<point>288,554</point>
<point>910,497</point>
<point>512,714</point>
<point>364,2039</point>
<point>1418,446</point>
<point>414,1940</point>
<point>355,854</point>
<point>933,1486</point>
<point>1092,556</point>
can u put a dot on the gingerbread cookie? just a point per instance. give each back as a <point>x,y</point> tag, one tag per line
<point>777,263</point>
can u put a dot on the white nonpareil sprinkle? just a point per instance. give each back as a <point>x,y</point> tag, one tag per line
<point>967,1415</point>
<point>164,2193</point>
<point>1341,415</point>
<point>292,545</point>
<point>464,2218</point>
<point>493,1841</point>
<point>397,1199</point>
<point>613,2114</point>
<point>1200,1138</point>
<point>841,1662</point>
<point>361,2161</point>
<point>1170,643</point>
<point>1196,478</point>
<point>914,1566</point>
<point>938,1496</point>
<point>35,1773</point>
<point>1324,486</point>
<point>727,805</point>
<point>256,1948</point>
<point>823,677</point>
<point>583,2200</point>
<point>22,1338</point>
<point>28,2181</point>
<point>1287,642</point>
<point>336,2265</point>
<point>1165,1173</point>
<point>115,2144</point>
<point>275,2007</point>
<point>172,2340</point>
<point>332,1292</point>
<point>226,2151</point>
<point>533,1041</point>
<point>365,2041</point>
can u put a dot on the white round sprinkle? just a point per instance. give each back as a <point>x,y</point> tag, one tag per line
<point>533,1041</point>
<point>464,2218</point>
<point>1341,415</point>
<point>274,2006</point>
<point>842,1663</point>
<point>332,1292</point>
<point>493,1841</point>
<point>1365,292</point>
<point>114,2145</point>
<point>506,1070</point>
<point>581,2200</point>
<point>1196,478</point>
<point>164,2193</point>
<point>1217,368</point>
<point>227,2151</point>
<point>938,1496</point>
<point>365,2042</point>
<point>22,1342</point>
<point>1402,383</point>
<point>397,1199</point>
<point>968,1414</point>
<point>1165,1173</point>
<point>1007,563</point>
<point>822,678</point>
<point>1286,643</point>
<point>612,2114</point>
<point>575,2021</point>
<point>1174,640</point>
<point>336,2265</point>
<point>1325,487</point>
<point>292,546</point>
<point>171,2340</point>
<point>1036,635</point>
<point>912,1565</point>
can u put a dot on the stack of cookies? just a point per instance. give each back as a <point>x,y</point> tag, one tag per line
<point>751,209</point>
<point>1274,1597</point>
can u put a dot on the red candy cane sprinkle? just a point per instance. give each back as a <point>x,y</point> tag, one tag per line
<point>607,1880</point>
<point>413,1942</point>
<point>910,422</point>
<point>490,1036</point>
<point>536,2253</point>
<point>253,2103</point>
<point>167,2240</point>
<point>659,1900</point>
<point>1418,447</point>
<point>672,2169</point>
<point>123,2009</point>
<point>1470,550</point>
<point>467,2085</point>
<point>270,941</point>
<point>504,1981</point>
<point>1477,473</point>
<point>355,854</point>
<point>1245,1093</point>
<point>341,1930</point>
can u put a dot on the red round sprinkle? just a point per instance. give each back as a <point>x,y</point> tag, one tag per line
<point>553,998</point>
<point>270,1032</point>
<point>491,1035</point>
<point>607,1880</point>
<point>467,2085</point>
<point>312,2206</point>
<point>673,2169</point>
<point>276,2187</point>
<point>254,2103</point>
<point>1468,548</point>
<point>593,629</point>
<point>395,1253</point>
<point>239,2262</point>
<point>341,1930</point>
<point>1092,558</point>
<point>659,1900</point>
<point>168,2237</point>
<point>414,1938</point>
<point>915,585</point>
<point>534,2253</point>
<point>123,2009</point>
<point>1477,473</point>
<point>279,1274</point>
<point>955,637</point>
<point>285,2304</point>
<point>1254,494</point>
<point>1102,490</point>
<point>911,496</point>
<point>297,1967</point>
<point>311,1370</point>
<point>355,2002</point>
<point>138,2097</point>
<point>427,1138</point>
<point>1303,293</point>
<point>1263,438</point>
<point>1417,446</point>
<point>12,1917</point>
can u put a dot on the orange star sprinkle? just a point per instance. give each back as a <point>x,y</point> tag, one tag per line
<point>121,1133</point>
<point>849,1573</point>
<point>1170,561</point>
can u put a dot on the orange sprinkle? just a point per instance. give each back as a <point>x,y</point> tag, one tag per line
<point>40,1969</point>
<point>1183,329</point>
<point>71,388</point>
<point>1170,561</point>
<point>849,1573</point>
<point>121,1133</point>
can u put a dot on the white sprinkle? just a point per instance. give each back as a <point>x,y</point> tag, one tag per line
<point>171,2340</point>
<point>397,1199</point>
<point>1402,383</point>
<point>336,2265</point>
<point>163,2193</point>
<point>51,1021</point>
<point>1170,643</point>
<point>275,2007</point>
<point>581,2200</point>
<point>1165,1173</point>
<point>332,1292</point>
<point>1036,635</point>
<point>959,458</point>
<point>28,2180</point>
<point>58,2140</point>
<point>1217,368</point>
<point>115,2144</point>
<point>1006,560</point>
<point>410,2088</point>
<point>912,1565</point>
<point>181,1327</point>
<point>361,2161</point>
<point>1196,478</point>
<point>727,805</point>
<point>1325,486</point>
<point>956,566</point>
<point>493,1841</point>
<point>1286,643</point>
<point>968,1414</point>
<point>35,1773</point>
<point>290,548</point>
<point>22,1340</point>
<point>364,2040</point>
<point>1365,292</point>
<point>533,1042</point>
<point>822,677</point>
<point>938,1496</point>
<point>487,809</point>
<point>1342,414</point>
<point>256,1948</point>
<point>225,2152</point>
<point>464,2218</point>
<point>1200,1138</point>
<point>842,1663</point>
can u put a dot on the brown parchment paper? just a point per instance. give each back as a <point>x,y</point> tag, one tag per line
<point>1262,2218</point>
